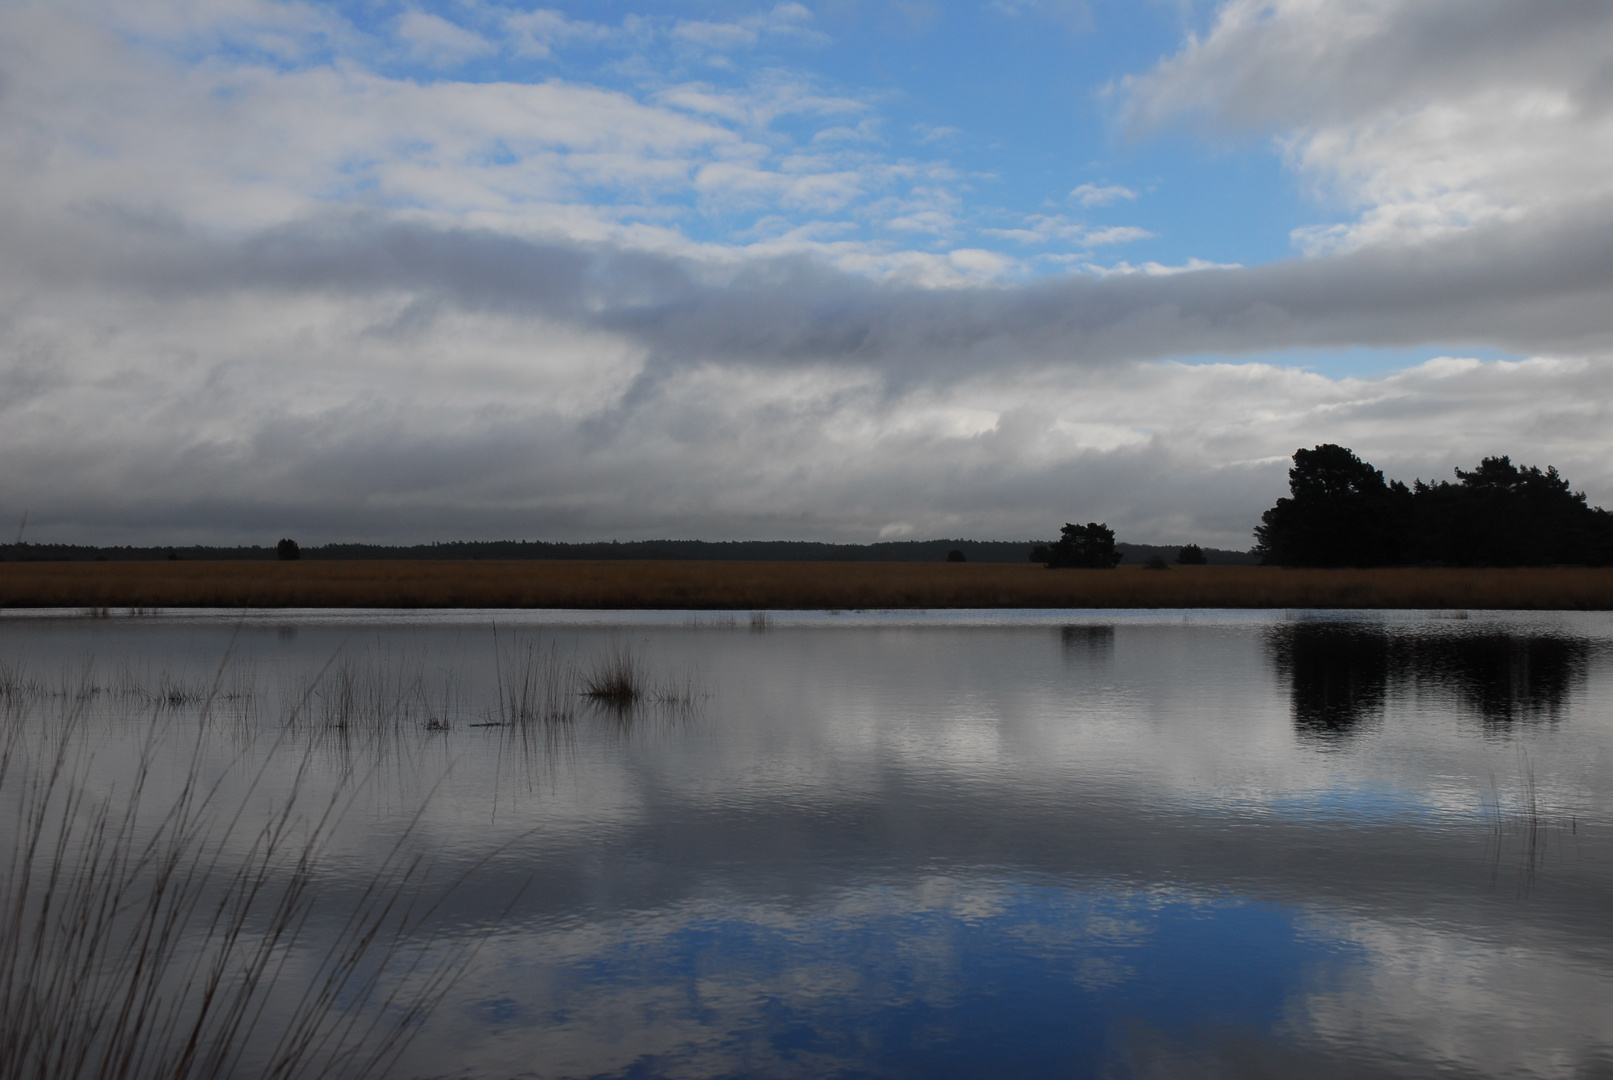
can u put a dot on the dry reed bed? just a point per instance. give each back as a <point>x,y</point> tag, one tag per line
<point>781,585</point>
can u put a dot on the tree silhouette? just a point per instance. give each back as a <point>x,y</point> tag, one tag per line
<point>1191,555</point>
<point>1502,515</point>
<point>1339,513</point>
<point>1090,546</point>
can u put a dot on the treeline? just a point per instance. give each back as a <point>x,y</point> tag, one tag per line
<point>1341,512</point>
<point>984,551</point>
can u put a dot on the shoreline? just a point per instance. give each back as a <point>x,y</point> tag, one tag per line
<point>762,586</point>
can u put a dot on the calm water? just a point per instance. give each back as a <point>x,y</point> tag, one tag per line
<point>1080,844</point>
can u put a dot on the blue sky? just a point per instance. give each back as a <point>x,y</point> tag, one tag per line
<point>845,270</point>
<point>1016,102</point>
<point>1008,113</point>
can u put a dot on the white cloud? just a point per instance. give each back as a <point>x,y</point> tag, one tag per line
<point>789,20</point>
<point>757,106</point>
<point>1155,269</point>
<point>1096,195</point>
<point>1425,118</point>
<point>866,131</point>
<point>538,32</point>
<point>1115,234</point>
<point>1045,228</point>
<point>713,35</point>
<point>285,29</point>
<point>440,41</point>
<point>244,146</point>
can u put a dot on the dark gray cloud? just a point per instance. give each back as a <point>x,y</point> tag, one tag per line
<point>1525,288</point>
<point>363,377</point>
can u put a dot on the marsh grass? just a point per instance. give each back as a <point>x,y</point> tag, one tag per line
<point>615,678</point>
<point>378,695</point>
<point>761,586</point>
<point>618,682</point>
<point>536,686</point>
<point>18,684</point>
<point>171,899</point>
<point>152,927</point>
<point>128,684</point>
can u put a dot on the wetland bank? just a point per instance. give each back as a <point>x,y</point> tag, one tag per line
<point>735,585</point>
<point>946,843</point>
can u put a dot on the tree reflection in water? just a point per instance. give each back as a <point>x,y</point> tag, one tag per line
<point>1340,674</point>
<point>1088,641</point>
<point>1502,677</point>
<point>1337,674</point>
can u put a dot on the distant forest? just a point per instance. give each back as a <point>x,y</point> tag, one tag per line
<point>985,551</point>
<point>1341,512</point>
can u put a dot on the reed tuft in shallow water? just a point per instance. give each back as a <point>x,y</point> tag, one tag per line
<point>615,678</point>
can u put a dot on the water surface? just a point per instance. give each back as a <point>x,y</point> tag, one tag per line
<point>960,843</point>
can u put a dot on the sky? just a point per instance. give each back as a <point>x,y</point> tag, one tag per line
<point>846,270</point>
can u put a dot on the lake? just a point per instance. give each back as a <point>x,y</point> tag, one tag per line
<point>964,843</point>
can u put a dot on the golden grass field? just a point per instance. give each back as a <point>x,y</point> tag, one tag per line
<point>779,586</point>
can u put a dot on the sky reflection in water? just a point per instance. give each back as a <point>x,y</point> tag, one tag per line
<point>1094,845</point>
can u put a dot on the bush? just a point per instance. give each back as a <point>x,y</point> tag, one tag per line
<point>955,556</point>
<point>288,550</point>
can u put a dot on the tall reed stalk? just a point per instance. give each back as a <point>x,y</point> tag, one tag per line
<point>535,686</point>
<point>173,930</point>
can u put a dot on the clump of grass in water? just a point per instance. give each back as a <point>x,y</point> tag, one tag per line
<point>615,678</point>
<point>150,934</point>
<point>16,684</point>
<point>619,683</point>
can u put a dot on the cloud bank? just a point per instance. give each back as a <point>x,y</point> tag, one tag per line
<point>280,289</point>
